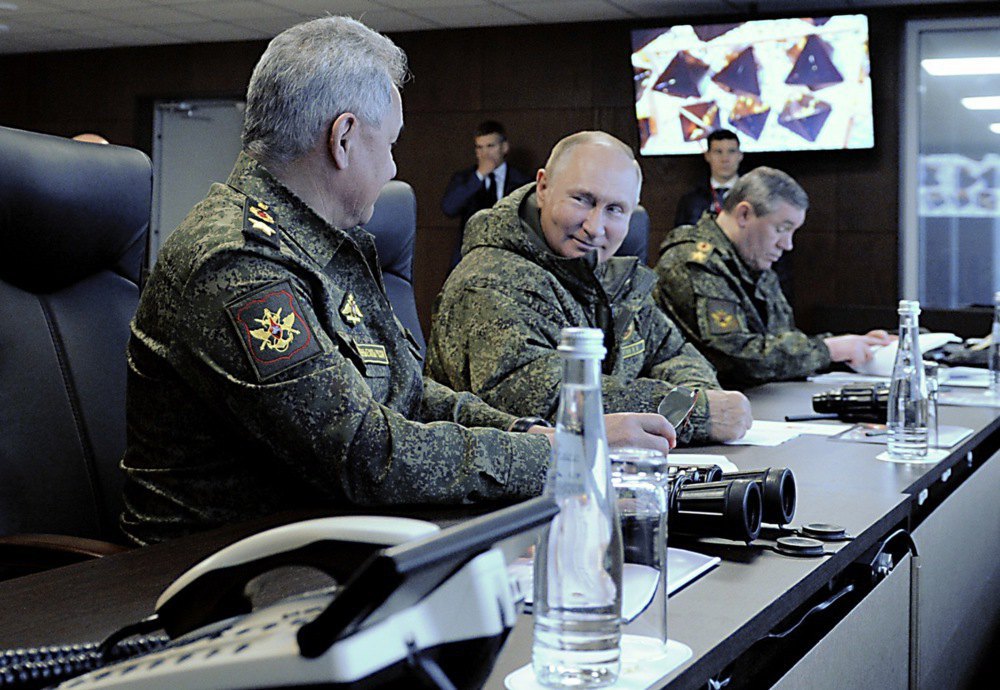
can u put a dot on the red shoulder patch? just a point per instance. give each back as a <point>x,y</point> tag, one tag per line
<point>272,329</point>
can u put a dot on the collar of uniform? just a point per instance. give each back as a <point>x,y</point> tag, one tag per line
<point>311,233</point>
<point>728,251</point>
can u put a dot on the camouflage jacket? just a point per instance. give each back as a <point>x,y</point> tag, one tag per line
<point>738,318</point>
<point>267,372</point>
<point>497,322</point>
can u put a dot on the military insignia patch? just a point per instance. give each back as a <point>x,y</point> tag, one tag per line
<point>350,310</point>
<point>371,353</point>
<point>272,329</point>
<point>723,317</point>
<point>634,349</point>
<point>260,222</point>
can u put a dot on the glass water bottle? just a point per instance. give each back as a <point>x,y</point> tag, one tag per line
<point>578,560</point>
<point>908,398</point>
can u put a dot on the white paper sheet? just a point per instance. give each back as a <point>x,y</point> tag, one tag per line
<point>765,433</point>
<point>702,460</point>
<point>885,356</point>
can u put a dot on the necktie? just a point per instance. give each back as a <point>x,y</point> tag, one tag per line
<point>718,196</point>
<point>491,184</point>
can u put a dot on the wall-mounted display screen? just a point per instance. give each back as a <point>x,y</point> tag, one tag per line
<point>781,84</point>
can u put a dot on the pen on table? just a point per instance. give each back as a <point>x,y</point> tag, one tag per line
<point>877,432</point>
<point>810,417</point>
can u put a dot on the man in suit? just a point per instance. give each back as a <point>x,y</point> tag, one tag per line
<point>483,184</point>
<point>723,157</point>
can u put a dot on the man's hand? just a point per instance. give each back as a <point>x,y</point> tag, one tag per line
<point>728,415</point>
<point>631,430</point>
<point>486,166</point>
<point>855,350</point>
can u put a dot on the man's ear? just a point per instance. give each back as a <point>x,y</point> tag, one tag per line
<point>343,133</point>
<point>542,186</point>
<point>743,212</point>
<point>504,148</point>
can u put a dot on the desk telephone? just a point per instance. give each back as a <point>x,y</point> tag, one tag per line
<point>426,608</point>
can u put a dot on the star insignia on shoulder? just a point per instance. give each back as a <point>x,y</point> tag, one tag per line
<point>260,222</point>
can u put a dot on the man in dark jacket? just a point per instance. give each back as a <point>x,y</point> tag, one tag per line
<point>485,183</point>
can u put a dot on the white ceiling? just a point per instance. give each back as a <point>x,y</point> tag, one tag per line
<point>41,25</point>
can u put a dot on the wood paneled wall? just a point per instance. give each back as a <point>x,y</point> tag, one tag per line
<point>543,83</point>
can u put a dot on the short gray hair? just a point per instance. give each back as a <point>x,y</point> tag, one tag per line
<point>309,75</point>
<point>764,188</point>
<point>567,144</point>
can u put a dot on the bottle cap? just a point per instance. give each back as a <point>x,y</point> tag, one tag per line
<point>907,306</point>
<point>582,342</point>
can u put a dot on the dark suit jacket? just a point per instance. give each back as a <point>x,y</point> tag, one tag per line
<point>693,204</point>
<point>465,193</point>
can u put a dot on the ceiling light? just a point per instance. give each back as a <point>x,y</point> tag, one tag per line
<point>7,7</point>
<point>4,27</point>
<point>995,128</point>
<point>982,102</point>
<point>951,67</point>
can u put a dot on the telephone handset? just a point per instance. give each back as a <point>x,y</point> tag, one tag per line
<point>213,589</point>
<point>430,605</point>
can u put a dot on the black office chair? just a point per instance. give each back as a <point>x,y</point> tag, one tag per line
<point>637,241</point>
<point>394,225</point>
<point>74,219</point>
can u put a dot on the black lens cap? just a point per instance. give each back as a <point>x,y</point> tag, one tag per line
<point>800,546</point>
<point>823,531</point>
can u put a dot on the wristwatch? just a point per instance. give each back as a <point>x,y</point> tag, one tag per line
<point>522,424</point>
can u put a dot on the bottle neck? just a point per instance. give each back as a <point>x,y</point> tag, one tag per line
<point>580,371</point>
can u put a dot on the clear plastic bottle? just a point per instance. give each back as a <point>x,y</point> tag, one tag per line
<point>995,347</point>
<point>578,560</point>
<point>908,397</point>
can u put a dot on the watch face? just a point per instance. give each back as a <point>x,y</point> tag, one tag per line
<point>676,405</point>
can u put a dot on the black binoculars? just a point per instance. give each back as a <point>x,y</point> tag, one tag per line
<point>856,403</point>
<point>705,502</point>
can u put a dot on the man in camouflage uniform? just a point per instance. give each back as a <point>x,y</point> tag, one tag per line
<point>716,281</point>
<point>267,370</point>
<point>542,260</point>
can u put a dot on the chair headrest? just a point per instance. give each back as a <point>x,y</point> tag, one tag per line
<point>394,225</point>
<point>637,240</point>
<point>70,209</point>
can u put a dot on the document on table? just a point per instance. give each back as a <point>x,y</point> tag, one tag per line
<point>885,356</point>
<point>764,433</point>
<point>638,581</point>
<point>702,460</point>
<point>964,377</point>
<point>968,398</point>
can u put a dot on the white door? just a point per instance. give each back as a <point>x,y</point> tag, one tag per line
<point>195,143</point>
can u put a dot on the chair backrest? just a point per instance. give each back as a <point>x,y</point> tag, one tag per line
<point>394,225</point>
<point>637,241</point>
<point>74,219</point>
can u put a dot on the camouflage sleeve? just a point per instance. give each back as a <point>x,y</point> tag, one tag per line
<point>679,363</point>
<point>502,345</point>
<point>741,354</point>
<point>316,417</point>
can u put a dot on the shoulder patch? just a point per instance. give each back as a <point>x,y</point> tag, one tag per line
<point>701,252</point>
<point>272,329</point>
<point>260,222</point>
<point>723,316</point>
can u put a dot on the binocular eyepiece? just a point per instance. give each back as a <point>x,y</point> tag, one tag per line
<point>856,403</point>
<point>704,502</point>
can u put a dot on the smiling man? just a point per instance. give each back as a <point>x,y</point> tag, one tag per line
<point>542,260</point>
<point>716,281</point>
